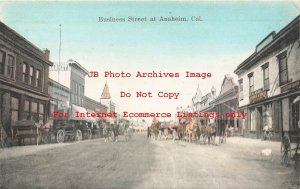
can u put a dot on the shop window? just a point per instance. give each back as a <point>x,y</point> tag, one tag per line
<point>34,107</point>
<point>267,115</point>
<point>283,69</point>
<point>34,111</point>
<point>14,110</point>
<point>52,109</point>
<point>26,108</point>
<point>252,121</point>
<point>2,61</point>
<point>41,112</point>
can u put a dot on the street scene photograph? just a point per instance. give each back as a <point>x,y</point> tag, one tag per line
<point>154,95</point>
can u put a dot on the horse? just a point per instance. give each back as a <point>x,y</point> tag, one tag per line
<point>154,130</point>
<point>191,132</point>
<point>116,132</point>
<point>211,132</point>
<point>181,129</point>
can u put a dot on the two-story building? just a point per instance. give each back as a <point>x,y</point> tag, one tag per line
<point>226,102</point>
<point>67,91</point>
<point>202,104</point>
<point>24,71</point>
<point>60,97</point>
<point>269,83</point>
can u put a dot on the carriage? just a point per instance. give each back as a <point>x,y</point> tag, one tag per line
<point>194,130</point>
<point>153,130</point>
<point>73,130</point>
<point>290,148</point>
<point>25,129</point>
<point>290,143</point>
<point>108,132</point>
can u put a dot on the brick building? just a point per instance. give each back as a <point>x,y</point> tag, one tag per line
<point>24,70</point>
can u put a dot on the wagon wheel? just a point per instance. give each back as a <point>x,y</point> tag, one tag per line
<point>46,138</point>
<point>78,135</point>
<point>60,136</point>
<point>285,150</point>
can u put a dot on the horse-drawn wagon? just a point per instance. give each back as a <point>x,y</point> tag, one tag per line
<point>290,148</point>
<point>290,142</point>
<point>73,130</point>
<point>23,129</point>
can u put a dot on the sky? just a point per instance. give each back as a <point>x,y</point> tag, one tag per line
<point>227,35</point>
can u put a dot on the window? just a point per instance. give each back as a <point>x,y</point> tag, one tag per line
<point>31,75</point>
<point>26,108</point>
<point>34,111</point>
<point>14,110</point>
<point>34,107</point>
<point>11,67</point>
<point>283,69</point>
<point>241,89</point>
<point>41,112</point>
<point>267,115</point>
<point>265,68</point>
<point>251,83</point>
<point>25,73</point>
<point>38,78</point>
<point>2,61</point>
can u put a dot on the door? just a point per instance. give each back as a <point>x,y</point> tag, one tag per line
<point>259,121</point>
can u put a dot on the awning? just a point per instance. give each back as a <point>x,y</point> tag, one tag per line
<point>296,100</point>
<point>80,109</point>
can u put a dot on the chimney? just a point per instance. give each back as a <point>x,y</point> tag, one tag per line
<point>47,54</point>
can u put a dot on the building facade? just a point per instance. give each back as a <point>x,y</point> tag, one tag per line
<point>226,102</point>
<point>68,95</point>
<point>203,104</point>
<point>24,72</point>
<point>93,105</point>
<point>269,83</point>
<point>60,97</point>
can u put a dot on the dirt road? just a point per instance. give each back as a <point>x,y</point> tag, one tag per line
<point>143,163</point>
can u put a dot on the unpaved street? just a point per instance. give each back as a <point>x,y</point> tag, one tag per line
<point>143,163</point>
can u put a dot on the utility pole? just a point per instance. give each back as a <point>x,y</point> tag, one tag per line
<point>59,53</point>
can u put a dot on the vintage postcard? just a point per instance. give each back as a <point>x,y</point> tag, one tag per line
<point>151,94</point>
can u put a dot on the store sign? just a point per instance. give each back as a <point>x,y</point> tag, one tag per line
<point>291,86</point>
<point>258,95</point>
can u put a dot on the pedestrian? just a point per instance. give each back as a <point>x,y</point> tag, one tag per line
<point>174,132</point>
